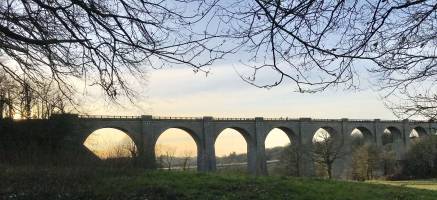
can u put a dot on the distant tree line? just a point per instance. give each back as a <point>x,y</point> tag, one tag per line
<point>364,160</point>
<point>26,98</point>
<point>367,162</point>
<point>166,158</point>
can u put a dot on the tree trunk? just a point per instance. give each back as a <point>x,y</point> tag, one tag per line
<point>2,107</point>
<point>10,103</point>
<point>185,164</point>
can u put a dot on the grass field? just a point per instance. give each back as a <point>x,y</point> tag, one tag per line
<point>418,184</point>
<point>109,184</point>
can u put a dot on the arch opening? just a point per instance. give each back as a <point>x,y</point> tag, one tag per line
<point>361,136</point>
<point>359,161</point>
<point>281,152</point>
<point>176,149</point>
<point>231,149</point>
<point>393,147</point>
<point>111,143</point>
<point>417,132</point>
<point>391,135</point>
<point>324,134</point>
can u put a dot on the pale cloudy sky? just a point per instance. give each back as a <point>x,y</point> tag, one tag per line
<point>181,92</point>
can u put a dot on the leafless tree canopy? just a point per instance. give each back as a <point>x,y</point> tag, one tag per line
<point>18,99</point>
<point>321,43</point>
<point>415,102</point>
<point>311,44</point>
<point>100,39</point>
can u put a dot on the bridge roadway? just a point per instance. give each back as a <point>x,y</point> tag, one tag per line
<point>145,130</point>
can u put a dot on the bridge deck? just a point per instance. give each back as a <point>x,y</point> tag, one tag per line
<point>110,117</point>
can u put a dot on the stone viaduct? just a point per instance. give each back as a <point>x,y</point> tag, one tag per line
<point>144,131</point>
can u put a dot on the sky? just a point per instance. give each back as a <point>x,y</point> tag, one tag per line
<point>181,92</point>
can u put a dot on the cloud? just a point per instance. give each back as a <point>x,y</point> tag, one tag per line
<point>181,92</point>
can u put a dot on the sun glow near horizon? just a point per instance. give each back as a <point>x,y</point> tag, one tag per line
<point>180,92</point>
<point>108,142</point>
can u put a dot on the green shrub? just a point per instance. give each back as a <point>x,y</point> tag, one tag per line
<point>421,159</point>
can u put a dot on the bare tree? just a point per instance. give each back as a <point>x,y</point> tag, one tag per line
<point>8,95</point>
<point>321,44</point>
<point>50,100</point>
<point>132,149</point>
<point>102,41</point>
<point>169,156</point>
<point>420,102</point>
<point>326,150</point>
<point>313,44</point>
<point>31,101</point>
<point>329,36</point>
<point>365,162</point>
<point>187,160</point>
<point>26,100</point>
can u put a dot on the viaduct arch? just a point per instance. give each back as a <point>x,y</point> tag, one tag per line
<point>146,129</point>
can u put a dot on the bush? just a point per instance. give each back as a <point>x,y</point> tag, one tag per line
<point>288,164</point>
<point>421,159</point>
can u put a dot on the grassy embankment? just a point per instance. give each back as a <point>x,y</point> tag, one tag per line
<point>73,183</point>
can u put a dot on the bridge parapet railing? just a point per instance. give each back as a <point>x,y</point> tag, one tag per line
<point>397,121</point>
<point>393,120</point>
<point>250,119</point>
<point>356,120</point>
<point>175,118</point>
<point>361,120</point>
<point>281,119</point>
<point>107,117</point>
<point>326,120</point>
<point>233,119</point>
<point>420,121</point>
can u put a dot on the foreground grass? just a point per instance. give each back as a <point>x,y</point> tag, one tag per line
<point>418,184</point>
<point>72,183</point>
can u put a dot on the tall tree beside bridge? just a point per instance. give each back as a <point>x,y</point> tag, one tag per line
<point>326,151</point>
<point>8,95</point>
